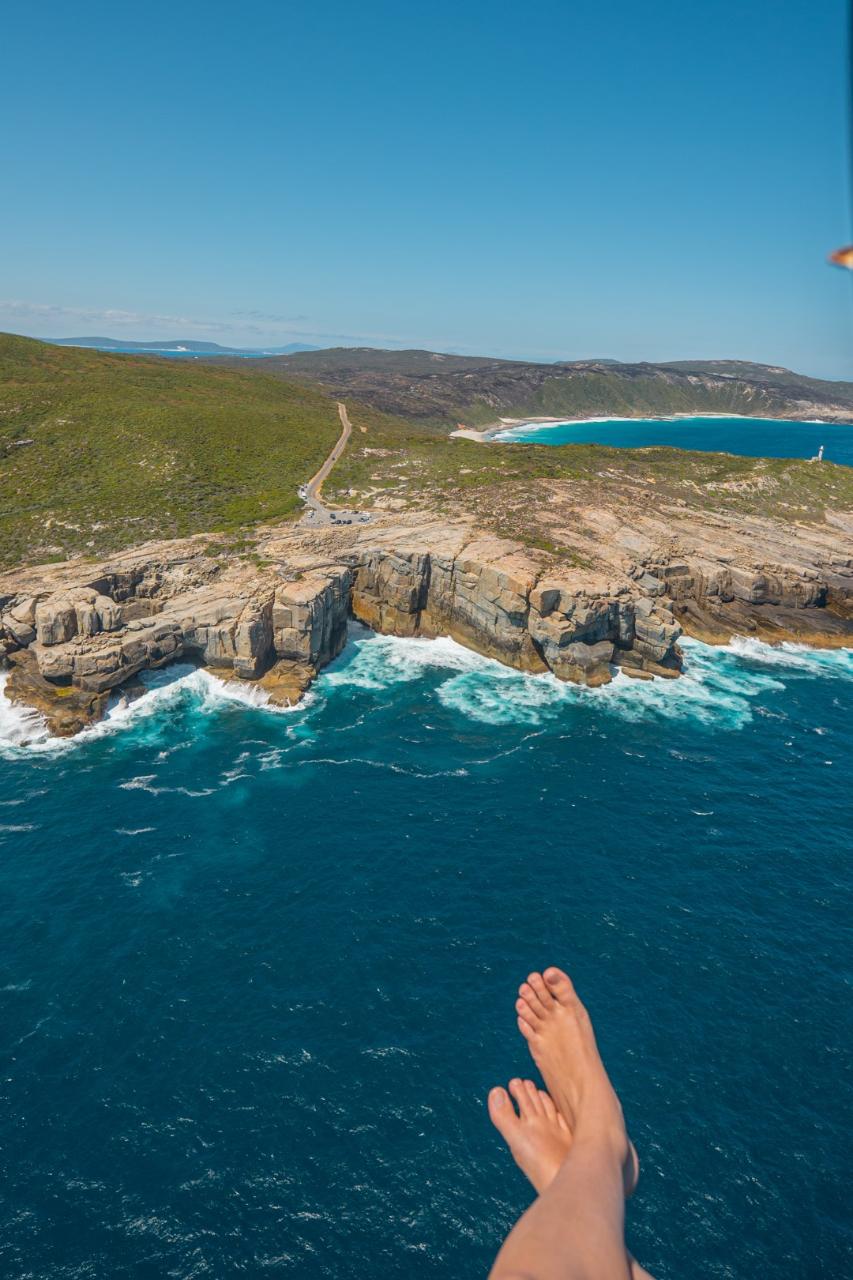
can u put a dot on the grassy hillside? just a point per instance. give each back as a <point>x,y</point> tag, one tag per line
<point>598,393</point>
<point>100,451</point>
<point>440,391</point>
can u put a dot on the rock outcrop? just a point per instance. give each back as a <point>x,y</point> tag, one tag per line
<point>74,633</point>
<point>492,596</point>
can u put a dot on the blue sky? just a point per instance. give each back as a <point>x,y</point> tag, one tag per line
<point>583,178</point>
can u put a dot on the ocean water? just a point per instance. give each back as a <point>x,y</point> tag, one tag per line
<point>754,437</point>
<point>258,969</point>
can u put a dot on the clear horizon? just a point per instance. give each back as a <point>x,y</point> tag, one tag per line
<point>644,185</point>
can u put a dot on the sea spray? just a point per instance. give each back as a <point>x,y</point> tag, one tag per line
<point>20,726</point>
<point>166,691</point>
<point>716,688</point>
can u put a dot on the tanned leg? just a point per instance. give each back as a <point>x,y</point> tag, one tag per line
<point>539,1139</point>
<point>575,1229</point>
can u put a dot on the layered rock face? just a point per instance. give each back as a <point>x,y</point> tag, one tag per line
<point>723,573</point>
<point>68,648</point>
<point>715,601</point>
<point>73,634</point>
<point>494,598</point>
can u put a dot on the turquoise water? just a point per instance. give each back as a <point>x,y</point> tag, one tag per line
<point>754,437</point>
<point>258,969</point>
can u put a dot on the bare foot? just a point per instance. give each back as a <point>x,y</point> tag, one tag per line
<point>538,1136</point>
<point>561,1040</point>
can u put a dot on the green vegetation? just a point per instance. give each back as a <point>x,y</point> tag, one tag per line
<point>503,486</point>
<point>440,391</point>
<point>101,451</point>
<point>603,394</point>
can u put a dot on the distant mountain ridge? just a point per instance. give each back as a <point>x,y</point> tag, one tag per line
<point>177,346</point>
<point>440,391</point>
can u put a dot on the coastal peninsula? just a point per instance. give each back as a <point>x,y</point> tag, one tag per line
<point>579,561</point>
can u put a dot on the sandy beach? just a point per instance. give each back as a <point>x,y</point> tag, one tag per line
<point>493,430</point>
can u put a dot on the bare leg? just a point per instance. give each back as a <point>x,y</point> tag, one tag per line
<point>575,1229</point>
<point>540,1140</point>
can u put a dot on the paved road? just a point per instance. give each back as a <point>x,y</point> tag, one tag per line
<point>317,513</point>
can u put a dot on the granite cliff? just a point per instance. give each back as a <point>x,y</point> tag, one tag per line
<point>72,634</point>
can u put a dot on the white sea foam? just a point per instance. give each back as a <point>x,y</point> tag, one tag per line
<point>19,726</point>
<point>796,657</point>
<point>166,690</point>
<point>379,764</point>
<point>147,782</point>
<point>719,687</point>
<point>133,879</point>
<point>497,695</point>
<point>172,686</point>
<point>378,662</point>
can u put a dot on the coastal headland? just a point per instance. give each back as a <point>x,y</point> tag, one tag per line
<point>73,634</point>
<point>149,512</point>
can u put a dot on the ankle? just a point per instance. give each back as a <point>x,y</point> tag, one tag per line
<point>606,1134</point>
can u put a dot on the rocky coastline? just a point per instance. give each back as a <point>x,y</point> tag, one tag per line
<point>73,634</point>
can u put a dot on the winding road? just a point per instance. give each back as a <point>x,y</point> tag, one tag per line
<point>317,512</point>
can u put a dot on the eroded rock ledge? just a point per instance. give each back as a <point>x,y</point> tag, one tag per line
<point>73,633</point>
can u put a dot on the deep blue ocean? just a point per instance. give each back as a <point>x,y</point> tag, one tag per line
<point>258,968</point>
<point>755,437</point>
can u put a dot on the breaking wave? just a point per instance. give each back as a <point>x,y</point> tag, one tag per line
<point>720,686</point>
<point>378,662</point>
<point>167,692</point>
<point>20,727</point>
<point>795,657</point>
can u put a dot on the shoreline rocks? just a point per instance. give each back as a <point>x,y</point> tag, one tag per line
<point>73,633</point>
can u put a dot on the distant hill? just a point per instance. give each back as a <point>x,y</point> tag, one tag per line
<point>99,451</point>
<point>292,348</point>
<point>178,346</point>
<point>442,390</point>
